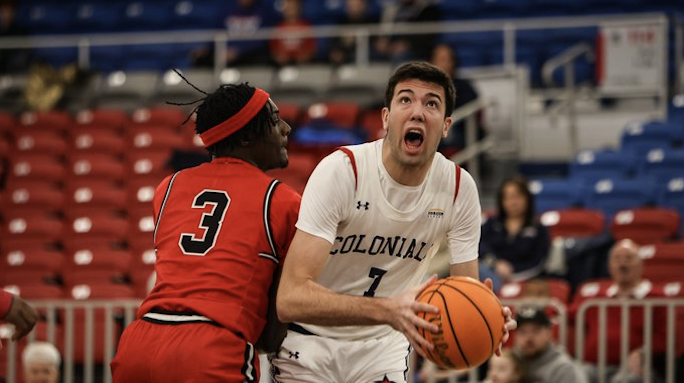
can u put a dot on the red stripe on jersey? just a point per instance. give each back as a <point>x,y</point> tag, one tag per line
<point>458,181</point>
<point>353,164</point>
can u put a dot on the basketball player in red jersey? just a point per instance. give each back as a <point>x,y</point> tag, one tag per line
<point>222,230</point>
<point>17,312</point>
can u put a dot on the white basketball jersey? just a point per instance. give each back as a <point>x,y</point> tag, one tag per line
<point>378,250</point>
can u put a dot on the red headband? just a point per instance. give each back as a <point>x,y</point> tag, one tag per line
<point>237,121</point>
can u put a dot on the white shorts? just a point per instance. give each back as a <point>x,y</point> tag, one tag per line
<point>316,359</point>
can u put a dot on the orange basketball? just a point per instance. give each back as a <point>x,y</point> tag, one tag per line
<point>470,322</point>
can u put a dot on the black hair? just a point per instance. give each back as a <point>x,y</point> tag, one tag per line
<point>423,71</point>
<point>224,103</point>
<point>521,184</point>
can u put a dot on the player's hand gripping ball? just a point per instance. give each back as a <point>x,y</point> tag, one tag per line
<point>470,322</point>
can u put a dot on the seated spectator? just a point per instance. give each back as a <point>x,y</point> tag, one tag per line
<point>547,361</point>
<point>444,57</point>
<point>625,268</point>
<point>41,361</point>
<point>514,245</point>
<point>508,368</point>
<point>399,48</point>
<point>288,50</point>
<point>244,18</point>
<point>343,48</point>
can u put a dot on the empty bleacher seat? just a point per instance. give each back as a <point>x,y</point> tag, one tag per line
<point>573,222</point>
<point>56,121</point>
<point>30,264</point>
<point>661,164</point>
<point>32,195</point>
<point>95,263</point>
<point>645,225</point>
<point>342,115</point>
<point>87,194</point>
<point>641,137</point>
<point>592,166</point>
<point>39,141</point>
<point>92,139</point>
<point>554,194</point>
<point>102,119</point>
<point>663,261</point>
<point>259,76</point>
<point>172,88</point>
<point>95,166</point>
<point>36,166</point>
<point>612,195</point>
<point>126,90</point>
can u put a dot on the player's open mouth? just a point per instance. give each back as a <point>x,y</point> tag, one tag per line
<point>413,139</point>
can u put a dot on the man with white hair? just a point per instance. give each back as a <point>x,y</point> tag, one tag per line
<point>41,361</point>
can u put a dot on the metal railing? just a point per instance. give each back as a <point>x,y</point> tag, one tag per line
<point>649,305</point>
<point>68,320</point>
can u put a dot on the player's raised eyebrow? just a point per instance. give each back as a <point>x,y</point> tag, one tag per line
<point>430,94</point>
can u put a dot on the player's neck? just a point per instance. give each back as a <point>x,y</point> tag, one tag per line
<point>239,156</point>
<point>402,174</point>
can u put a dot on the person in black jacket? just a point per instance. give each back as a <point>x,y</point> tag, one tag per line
<point>514,244</point>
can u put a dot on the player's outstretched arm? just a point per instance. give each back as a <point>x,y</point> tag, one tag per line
<point>301,299</point>
<point>22,315</point>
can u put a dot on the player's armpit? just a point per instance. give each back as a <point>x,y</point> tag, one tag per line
<point>274,331</point>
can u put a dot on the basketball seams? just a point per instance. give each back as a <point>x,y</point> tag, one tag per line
<point>424,316</point>
<point>484,318</point>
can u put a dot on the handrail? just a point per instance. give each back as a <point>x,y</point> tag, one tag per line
<point>188,36</point>
<point>603,304</point>
<point>473,147</point>
<point>566,57</point>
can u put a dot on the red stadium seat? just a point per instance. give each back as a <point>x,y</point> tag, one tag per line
<point>102,119</point>
<point>159,116</point>
<point>645,225</point>
<point>94,193</point>
<point>35,290</point>
<point>96,166</point>
<point>97,140</point>
<point>103,226</point>
<point>149,137</point>
<point>26,265</point>
<point>55,120</point>
<point>31,225</point>
<point>7,122</point>
<point>149,163</point>
<point>663,261</point>
<point>88,264</point>
<point>140,191</point>
<point>342,114</point>
<point>39,195</point>
<point>40,141</point>
<point>573,222</point>
<point>36,166</point>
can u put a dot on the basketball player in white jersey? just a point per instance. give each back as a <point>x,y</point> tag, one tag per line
<point>372,216</point>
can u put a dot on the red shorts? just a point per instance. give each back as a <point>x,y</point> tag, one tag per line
<point>178,352</point>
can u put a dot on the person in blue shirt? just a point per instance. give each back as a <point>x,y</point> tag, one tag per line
<point>514,245</point>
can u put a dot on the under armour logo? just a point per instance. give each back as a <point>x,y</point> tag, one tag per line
<point>294,355</point>
<point>364,205</point>
<point>384,380</point>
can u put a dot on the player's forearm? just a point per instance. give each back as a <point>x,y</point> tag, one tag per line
<point>314,304</point>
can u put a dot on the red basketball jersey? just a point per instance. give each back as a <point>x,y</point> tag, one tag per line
<point>221,230</point>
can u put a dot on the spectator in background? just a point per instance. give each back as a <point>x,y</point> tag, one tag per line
<point>399,48</point>
<point>444,57</point>
<point>244,18</point>
<point>12,60</point>
<point>533,342</point>
<point>625,268</point>
<point>288,50</point>
<point>343,48</point>
<point>514,245</point>
<point>41,361</point>
<point>508,368</point>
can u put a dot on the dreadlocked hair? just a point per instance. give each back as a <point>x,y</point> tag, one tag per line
<point>224,103</point>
